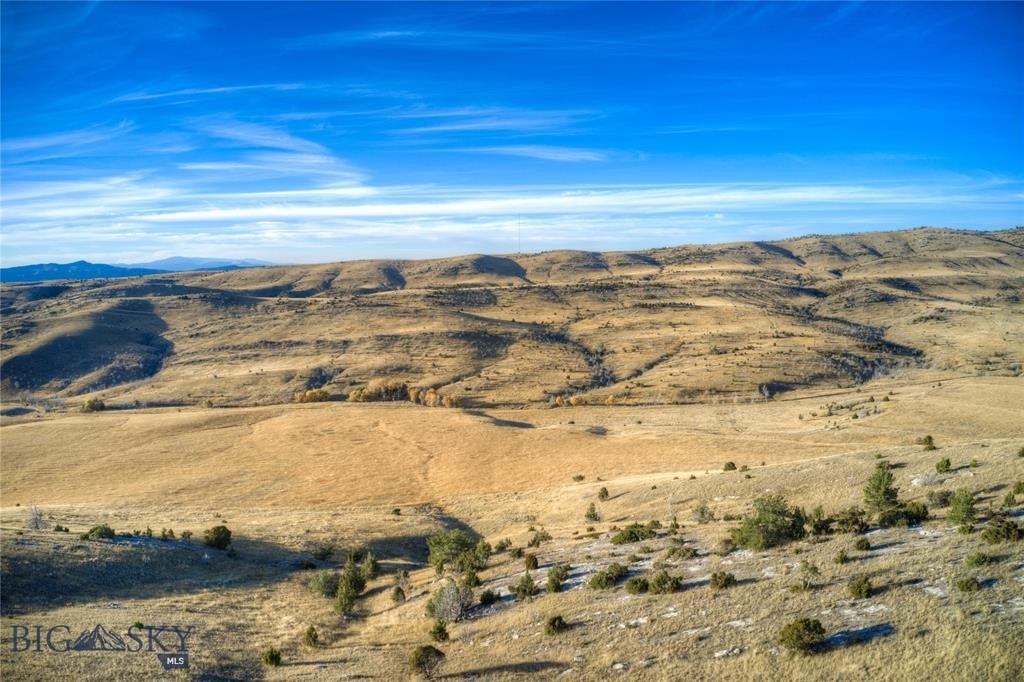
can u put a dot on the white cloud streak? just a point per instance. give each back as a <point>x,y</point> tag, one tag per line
<point>142,96</point>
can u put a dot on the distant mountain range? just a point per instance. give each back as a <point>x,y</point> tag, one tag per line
<point>180,264</point>
<point>85,270</point>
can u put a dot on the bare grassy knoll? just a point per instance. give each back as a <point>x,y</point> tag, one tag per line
<point>668,389</point>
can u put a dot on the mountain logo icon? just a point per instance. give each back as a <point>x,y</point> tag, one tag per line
<point>99,639</point>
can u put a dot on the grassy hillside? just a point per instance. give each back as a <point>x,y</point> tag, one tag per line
<point>647,397</point>
<point>667,326</point>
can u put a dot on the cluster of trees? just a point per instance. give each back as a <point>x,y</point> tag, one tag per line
<point>389,390</point>
<point>314,395</point>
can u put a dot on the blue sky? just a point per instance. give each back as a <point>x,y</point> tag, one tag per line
<point>313,132</point>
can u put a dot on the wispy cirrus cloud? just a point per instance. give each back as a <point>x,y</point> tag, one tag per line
<point>544,152</point>
<point>68,141</point>
<point>279,165</point>
<point>255,135</point>
<point>320,223</point>
<point>613,200</point>
<point>142,95</point>
<point>473,119</point>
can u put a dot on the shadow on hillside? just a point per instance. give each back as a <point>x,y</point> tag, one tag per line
<point>525,668</point>
<point>501,422</point>
<point>882,589</point>
<point>859,636</point>
<point>62,569</point>
<point>333,661</point>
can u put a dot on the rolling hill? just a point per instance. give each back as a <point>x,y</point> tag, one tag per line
<point>689,324</point>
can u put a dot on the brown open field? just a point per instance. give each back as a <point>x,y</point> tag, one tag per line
<point>804,362</point>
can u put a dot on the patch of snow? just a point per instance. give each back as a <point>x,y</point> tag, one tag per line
<point>732,651</point>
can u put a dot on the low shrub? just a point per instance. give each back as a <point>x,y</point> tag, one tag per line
<point>516,552</point>
<point>841,557</point>
<point>602,494</point>
<point>502,546</point>
<point>488,597</point>
<point>525,588</point>
<point>634,532</point>
<point>1001,529</point>
<point>311,637</point>
<point>637,585</point>
<point>445,548</point>
<point>703,514</point>
<point>539,537</point>
<point>439,632</point>
<point>852,520</point>
<point>426,660</point>
<point>819,523</point>
<point>808,572</point>
<point>470,579</point>
<point>218,537</point>
<point>802,635</point>
<point>862,544</point>
<point>315,395</point>
<point>397,594</point>
<point>557,575</point>
<point>979,559</point>
<point>680,553</point>
<point>961,507</point>
<point>729,466</point>
<point>721,580</point>
<point>93,405</point>
<point>940,498</point>
<point>271,657</point>
<point>860,588</point>
<point>100,532</point>
<point>325,583</point>
<point>903,514</point>
<point>968,584</point>
<point>592,514</point>
<point>555,625</point>
<point>773,523</point>
<point>606,579</point>
<point>663,583</point>
<point>369,567</point>
<point>350,585</point>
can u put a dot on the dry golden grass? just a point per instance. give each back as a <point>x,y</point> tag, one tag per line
<point>686,338</point>
<point>279,513</point>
